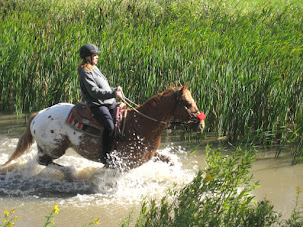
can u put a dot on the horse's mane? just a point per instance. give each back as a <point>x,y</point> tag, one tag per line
<point>154,101</point>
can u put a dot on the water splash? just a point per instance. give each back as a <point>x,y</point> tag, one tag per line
<point>89,183</point>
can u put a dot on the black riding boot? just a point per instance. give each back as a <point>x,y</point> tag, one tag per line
<point>108,145</point>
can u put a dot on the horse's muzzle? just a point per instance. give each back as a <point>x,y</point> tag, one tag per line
<point>198,127</point>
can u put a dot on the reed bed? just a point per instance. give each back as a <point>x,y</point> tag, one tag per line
<point>243,60</point>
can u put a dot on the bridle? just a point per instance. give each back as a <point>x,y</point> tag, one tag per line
<point>192,118</point>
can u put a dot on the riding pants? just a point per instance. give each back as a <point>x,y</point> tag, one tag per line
<point>103,115</point>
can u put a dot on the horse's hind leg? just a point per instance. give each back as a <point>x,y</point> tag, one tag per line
<point>44,159</point>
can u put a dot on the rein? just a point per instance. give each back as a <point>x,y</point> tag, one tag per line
<point>191,114</point>
<point>127,102</point>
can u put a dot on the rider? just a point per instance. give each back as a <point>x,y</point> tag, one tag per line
<point>99,96</point>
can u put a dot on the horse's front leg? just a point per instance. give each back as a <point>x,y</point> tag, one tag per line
<point>163,158</point>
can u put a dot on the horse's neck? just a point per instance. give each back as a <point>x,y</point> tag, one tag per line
<point>159,107</point>
<point>148,123</point>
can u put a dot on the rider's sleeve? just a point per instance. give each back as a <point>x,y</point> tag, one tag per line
<point>96,86</point>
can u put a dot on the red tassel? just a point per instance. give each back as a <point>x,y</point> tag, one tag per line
<point>202,116</point>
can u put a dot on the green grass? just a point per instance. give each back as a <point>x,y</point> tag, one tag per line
<point>243,59</point>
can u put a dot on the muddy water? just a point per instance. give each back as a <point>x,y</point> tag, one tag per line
<point>88,191</point>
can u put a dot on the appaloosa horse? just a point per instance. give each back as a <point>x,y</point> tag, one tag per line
<point>143,128</point>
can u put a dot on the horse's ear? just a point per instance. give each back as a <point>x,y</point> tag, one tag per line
<point>185,87</point>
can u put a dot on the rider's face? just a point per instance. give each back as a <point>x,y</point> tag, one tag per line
<point>93,59</point>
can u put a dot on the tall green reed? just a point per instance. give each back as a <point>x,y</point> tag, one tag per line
<point>244,60</point>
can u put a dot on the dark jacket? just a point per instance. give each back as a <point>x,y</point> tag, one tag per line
<point>95,88</point>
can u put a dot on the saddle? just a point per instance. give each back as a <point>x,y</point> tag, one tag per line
<point>82,119</point>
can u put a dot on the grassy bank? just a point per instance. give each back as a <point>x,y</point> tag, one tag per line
<point>243,60</point>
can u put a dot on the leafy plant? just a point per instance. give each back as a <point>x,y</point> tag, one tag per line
<point>296,218</point>
<point>220,195</point>
<point>49,218</point>
<point>7,220</point>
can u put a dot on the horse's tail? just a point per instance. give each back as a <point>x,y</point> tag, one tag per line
<point>24,142</point>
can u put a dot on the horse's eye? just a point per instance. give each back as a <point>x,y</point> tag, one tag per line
<point>188,105</point>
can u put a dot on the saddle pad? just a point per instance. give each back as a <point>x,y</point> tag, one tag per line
<point>82,126</point>
<point>81,119</point>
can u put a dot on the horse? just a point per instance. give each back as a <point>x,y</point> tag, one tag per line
<point>142,135</point>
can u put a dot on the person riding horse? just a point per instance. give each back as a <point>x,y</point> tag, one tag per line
<point>98,94</point>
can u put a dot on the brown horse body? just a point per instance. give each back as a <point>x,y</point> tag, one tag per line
<point>143,128</point>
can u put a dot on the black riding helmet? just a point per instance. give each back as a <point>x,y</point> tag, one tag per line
<point>88,49</point>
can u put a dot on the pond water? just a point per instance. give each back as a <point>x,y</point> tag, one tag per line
<point>93,192</point>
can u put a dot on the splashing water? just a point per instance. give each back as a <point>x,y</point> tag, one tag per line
<point>86,190</point>
<point>88,182</point>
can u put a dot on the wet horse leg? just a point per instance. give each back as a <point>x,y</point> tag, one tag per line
<point>163,158</point>
<point>58,151</point>
<point>46,160</point>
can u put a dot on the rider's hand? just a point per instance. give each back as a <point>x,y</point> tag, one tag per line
<point>119,88</point>
<point>119,93</point>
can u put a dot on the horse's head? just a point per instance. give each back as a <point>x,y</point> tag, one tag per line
<point>186,110</point>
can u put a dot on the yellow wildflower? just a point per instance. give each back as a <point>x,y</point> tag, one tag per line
<point>56,209</point>
<point>16,218</point>
<point>10,224</point>
<point>6,213</point>
<point>96,221</point>
<point>4,220</point>
<point>13,210</point>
